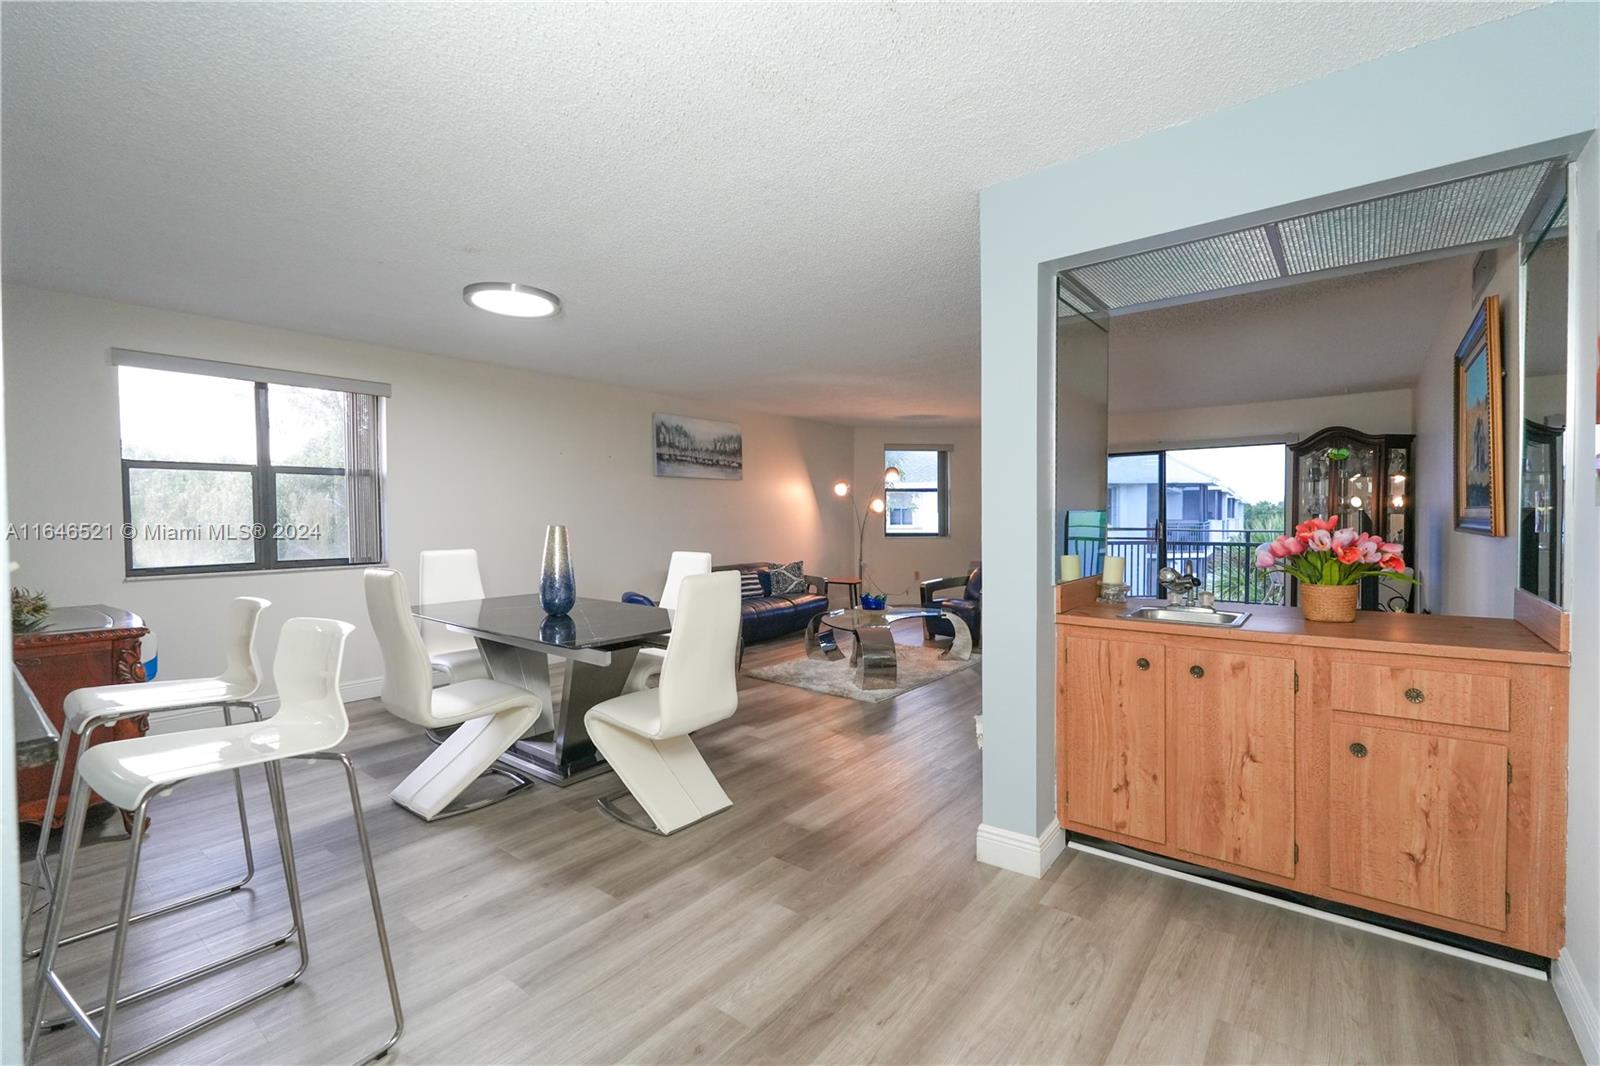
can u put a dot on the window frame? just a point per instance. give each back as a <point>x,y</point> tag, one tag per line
<point>263,495</point>
<point>941,491</point>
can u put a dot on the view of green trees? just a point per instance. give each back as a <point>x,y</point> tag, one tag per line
<point>193,517</point>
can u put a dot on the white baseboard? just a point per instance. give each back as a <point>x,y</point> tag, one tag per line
<point>177,721</point>
<point>1019,852</point>
<point>1578,1005</point>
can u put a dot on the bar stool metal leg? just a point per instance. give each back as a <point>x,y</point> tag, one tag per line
<point>41,859</point>
<point>377,905</point>
<point>295,931</point>
<point>119,943</point>
<point>72,833</point>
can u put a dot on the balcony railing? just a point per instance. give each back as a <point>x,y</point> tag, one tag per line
<point>1225,562</point>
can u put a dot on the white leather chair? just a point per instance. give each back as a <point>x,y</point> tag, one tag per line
<point>87,709</point>
<point>447,576</point>
<point>644,735</point>
<point>490,715</point>
<point>129,773</point>
<point>647,667</point>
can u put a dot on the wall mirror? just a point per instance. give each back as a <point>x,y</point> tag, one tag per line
<point>1083,352</point>
<point>1541,521</point>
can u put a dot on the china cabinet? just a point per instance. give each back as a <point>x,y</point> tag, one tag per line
<point>1364,481</point>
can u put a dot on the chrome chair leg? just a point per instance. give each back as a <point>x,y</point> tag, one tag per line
<point>608,804</point>
<point>377,905</point>
<point>296,931</point>
<point>119,942</point>
<point>42,865</point>
<point>72,834</point>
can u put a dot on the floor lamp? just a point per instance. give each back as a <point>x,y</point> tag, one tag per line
<point>891,475</point>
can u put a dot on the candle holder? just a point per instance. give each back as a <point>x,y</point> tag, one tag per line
<point>1114,594</point>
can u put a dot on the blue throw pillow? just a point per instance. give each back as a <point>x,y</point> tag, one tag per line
<point>788,580</point>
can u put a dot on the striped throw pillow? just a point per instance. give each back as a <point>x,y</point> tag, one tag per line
<point>750,585</point>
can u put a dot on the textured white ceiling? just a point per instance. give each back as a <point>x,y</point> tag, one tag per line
<point>768,204</point>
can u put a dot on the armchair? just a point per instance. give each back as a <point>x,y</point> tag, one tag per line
<point>968,604</point>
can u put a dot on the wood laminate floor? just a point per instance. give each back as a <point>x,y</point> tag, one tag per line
<point>834,914</point>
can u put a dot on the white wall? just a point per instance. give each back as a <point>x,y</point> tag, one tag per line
<point>893,563</point>
<point>1388,411</point>
<point>1577,973</point>
<point>1466,573</point>
<point>478,456</point>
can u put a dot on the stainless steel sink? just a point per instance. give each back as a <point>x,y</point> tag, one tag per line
<point>1189,616</point>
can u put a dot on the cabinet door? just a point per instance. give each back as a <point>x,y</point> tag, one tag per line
<point>1419,820</point>
<point>1115,744</point>
<point>1230,728</point>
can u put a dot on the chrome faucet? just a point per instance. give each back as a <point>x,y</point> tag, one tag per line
<point>1185,585</point>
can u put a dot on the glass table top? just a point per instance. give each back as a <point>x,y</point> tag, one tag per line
<point>852,618</point>
<point>520,620</point>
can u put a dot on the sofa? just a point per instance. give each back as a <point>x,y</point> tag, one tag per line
<point>767,616</point>
<point>968,604</point>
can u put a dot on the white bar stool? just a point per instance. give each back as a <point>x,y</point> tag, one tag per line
<point>87,709</point>
<point>310,721</point>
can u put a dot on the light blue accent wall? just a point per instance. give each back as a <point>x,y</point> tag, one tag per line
<point>1494,89</point>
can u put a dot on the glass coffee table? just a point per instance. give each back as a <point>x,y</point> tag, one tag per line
<point>873,652</point>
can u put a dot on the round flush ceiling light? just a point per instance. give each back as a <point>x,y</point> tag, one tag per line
<point>509,298</point>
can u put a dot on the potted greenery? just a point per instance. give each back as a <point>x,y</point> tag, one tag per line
<point>1330,563</point>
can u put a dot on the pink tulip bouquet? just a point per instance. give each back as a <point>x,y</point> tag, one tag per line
<point>1320,553</point>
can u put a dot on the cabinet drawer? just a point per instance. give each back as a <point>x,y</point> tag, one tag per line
<point>1482,700</point>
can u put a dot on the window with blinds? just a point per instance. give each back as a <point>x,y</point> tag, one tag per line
<point>228,467</point>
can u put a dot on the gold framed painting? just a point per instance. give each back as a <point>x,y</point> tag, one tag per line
<point>1480,425</point>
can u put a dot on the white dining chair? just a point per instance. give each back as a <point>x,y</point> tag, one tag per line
<point>87,709</point>
<point>644,735</point>
<point>489,715</point>
<point>309,722</point>
<point>448,575</point>
<point>646,669</point>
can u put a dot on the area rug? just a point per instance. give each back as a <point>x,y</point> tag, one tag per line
<point>915,666</point>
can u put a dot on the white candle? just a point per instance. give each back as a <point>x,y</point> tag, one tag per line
<point>1071,568</point>
<point>1114,571</point>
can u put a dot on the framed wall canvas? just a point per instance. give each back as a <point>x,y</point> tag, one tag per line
<point>1480,426</point>
<point>698,447</point>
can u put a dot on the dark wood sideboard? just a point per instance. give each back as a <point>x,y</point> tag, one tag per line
<point>76,647</point>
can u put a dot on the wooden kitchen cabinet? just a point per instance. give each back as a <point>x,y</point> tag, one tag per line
<point>1114,744</point>
<point>1412,766</point>
<point>1230,727</point>
<point>1419,819</point>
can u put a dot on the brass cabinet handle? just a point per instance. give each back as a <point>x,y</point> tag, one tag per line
<point>1414,695</point>
<point>1143,664</point>
<point>1197,671</point>
<point>1359,750</point>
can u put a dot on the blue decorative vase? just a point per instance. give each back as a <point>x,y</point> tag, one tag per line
<point>558,591</point>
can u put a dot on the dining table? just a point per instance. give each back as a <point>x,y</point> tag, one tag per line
<point>596,642</point>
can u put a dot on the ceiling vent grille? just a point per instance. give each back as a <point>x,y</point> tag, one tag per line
<point>1470,212</point>
<point>1223,262</point>
<point>1489,207</point>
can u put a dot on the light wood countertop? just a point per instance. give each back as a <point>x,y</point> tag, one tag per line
<point>1444,636</point>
